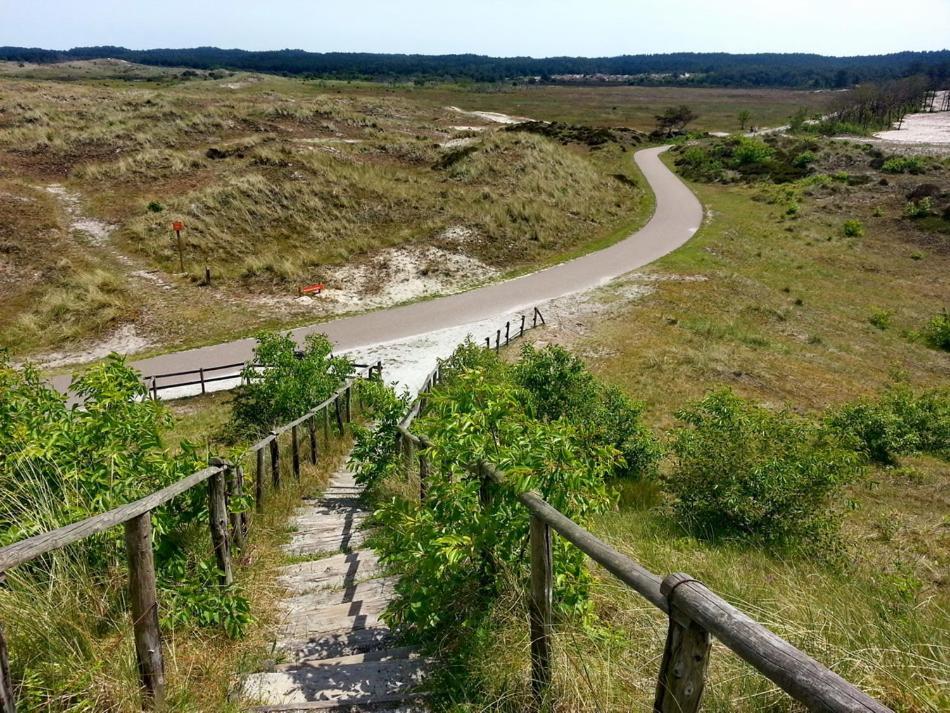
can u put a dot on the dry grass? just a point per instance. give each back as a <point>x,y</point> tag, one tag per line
<point>278,182</point>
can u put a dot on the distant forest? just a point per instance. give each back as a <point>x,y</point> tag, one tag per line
<point>707,69</point>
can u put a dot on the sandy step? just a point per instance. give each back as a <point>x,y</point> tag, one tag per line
<point>398,703</point>
<point>377,655</point>
<point>335,571</point>
<point>338,682</point>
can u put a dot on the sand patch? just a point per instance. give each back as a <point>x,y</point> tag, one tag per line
<point>125,340</point>
<point>492,116</point>
<point>96,231</point>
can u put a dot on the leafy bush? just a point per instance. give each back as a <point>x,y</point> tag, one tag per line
<point>453,550</point>
<point>377,449</point>
<point>561,387</point>
<point>898,422</point>
<point>804,159</point>
<point>748,151</point>
<point>60,465</point>
<point>853,228</point>
<point>937,331</point>
<point>741,470</point>
<point>880,318</point>
<point>919,209</point>
<point>282,382</point>
<point>903,164</point>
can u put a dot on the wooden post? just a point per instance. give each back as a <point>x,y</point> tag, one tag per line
<point>275,462</point>
<point>679,687</point>
<point>312,430</point>
<point>326,425</point>
<point>497,341</point>
<point>488,342</point>
<point>538,315</point>
<point>339,414</point>
<point>295,451</point>
<point>218,521</point>
<point>507,333</point>
<point>535,317</point>
<point>7,704</point>
<point>423,474</point>
<point>143,598</point>
<point>154,389</point>
<point>201,375</point>
<point>379,364</point>
<point>238,519</point>
<point>541,603</point>
<point>522,325</point>
<point>259,481</point>
<point>349,412</point>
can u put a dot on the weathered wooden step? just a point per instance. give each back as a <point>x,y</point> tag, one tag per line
<point>377,655</point>
<point>339,682</point>
<point>344,617</point>
<point>332,645</point>
<point>310,543</point>
<point>378,588</point>
<point>339,570</point>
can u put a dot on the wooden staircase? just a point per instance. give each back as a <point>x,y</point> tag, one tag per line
<point>335,653</point>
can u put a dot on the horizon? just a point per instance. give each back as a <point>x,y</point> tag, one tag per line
<point>532,28</point>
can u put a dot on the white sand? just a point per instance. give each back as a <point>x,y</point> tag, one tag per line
<point>492,116</point>
<point>95,230</point>
<point>125,340</point>
<point>926,128</point>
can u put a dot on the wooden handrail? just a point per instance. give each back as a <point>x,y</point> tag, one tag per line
<point>29,549</point>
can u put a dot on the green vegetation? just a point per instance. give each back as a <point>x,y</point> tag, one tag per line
<point>937,331</point>
<point>853,228</point>
<point>65,615</point>
<point>740,470</point>
<point>282,382</point>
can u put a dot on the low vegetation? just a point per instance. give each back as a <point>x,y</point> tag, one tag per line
<point>65,615</point>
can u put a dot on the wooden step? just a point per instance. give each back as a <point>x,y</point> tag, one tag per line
<point>341,570</point>
<point>336,644</point>
<point>380,587</point>
<point>399,703</point>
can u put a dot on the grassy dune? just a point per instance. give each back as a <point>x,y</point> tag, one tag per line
<point>278,182</point>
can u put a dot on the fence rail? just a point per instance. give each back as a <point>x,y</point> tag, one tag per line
<point>227,529</point>
<point>203,379</point>
<point>695,612</point>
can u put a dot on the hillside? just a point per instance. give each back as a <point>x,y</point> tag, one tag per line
<point>279,183</point>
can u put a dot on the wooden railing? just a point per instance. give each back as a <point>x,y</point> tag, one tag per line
<point>695,612</point>
<point>227,529</point>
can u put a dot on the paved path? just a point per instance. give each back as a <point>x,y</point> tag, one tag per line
<point>337,654</point>
<point>677,216</point>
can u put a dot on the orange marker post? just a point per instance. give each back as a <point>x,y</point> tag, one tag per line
<point>178,226</point>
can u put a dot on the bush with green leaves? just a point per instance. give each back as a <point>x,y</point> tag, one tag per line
<point>454,550</point>
<point>376,448</point>
<point>61,464</point>
<point>853,228</point>
<point>561,387</point>
<point>937,331</point>
<point>283,382</point>
<point>919,209</point>
<point>903,164</point>
<point>743,471</point>
<point>897,422</point>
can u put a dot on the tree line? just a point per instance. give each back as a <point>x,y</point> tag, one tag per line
<point>687,68</point>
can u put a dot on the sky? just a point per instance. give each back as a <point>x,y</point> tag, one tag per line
<point>538,28</point>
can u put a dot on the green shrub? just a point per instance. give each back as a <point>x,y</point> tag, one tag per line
<point>454,550</point>
<point>561,387</point>
<point>741,470</point>
<point>919,209</point>
<point>896,423</point>
<point>903,164</point>
<point>748,151</point>
<point>880,318</point>
<point>155,207</point>
<point>282,382</point>
<point>937,331</point>
<point>853,228</point>
<point>804,159</point>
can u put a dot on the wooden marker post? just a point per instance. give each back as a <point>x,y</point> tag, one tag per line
<point>178,226</point>
<point>6,685</point>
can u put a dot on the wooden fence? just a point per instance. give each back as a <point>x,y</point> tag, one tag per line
<point>695,612</point>
<point>227,529</point>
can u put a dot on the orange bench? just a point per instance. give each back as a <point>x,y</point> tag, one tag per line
<point>312,289</point>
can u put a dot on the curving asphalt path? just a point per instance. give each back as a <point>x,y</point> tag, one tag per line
<point>677,216</point>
